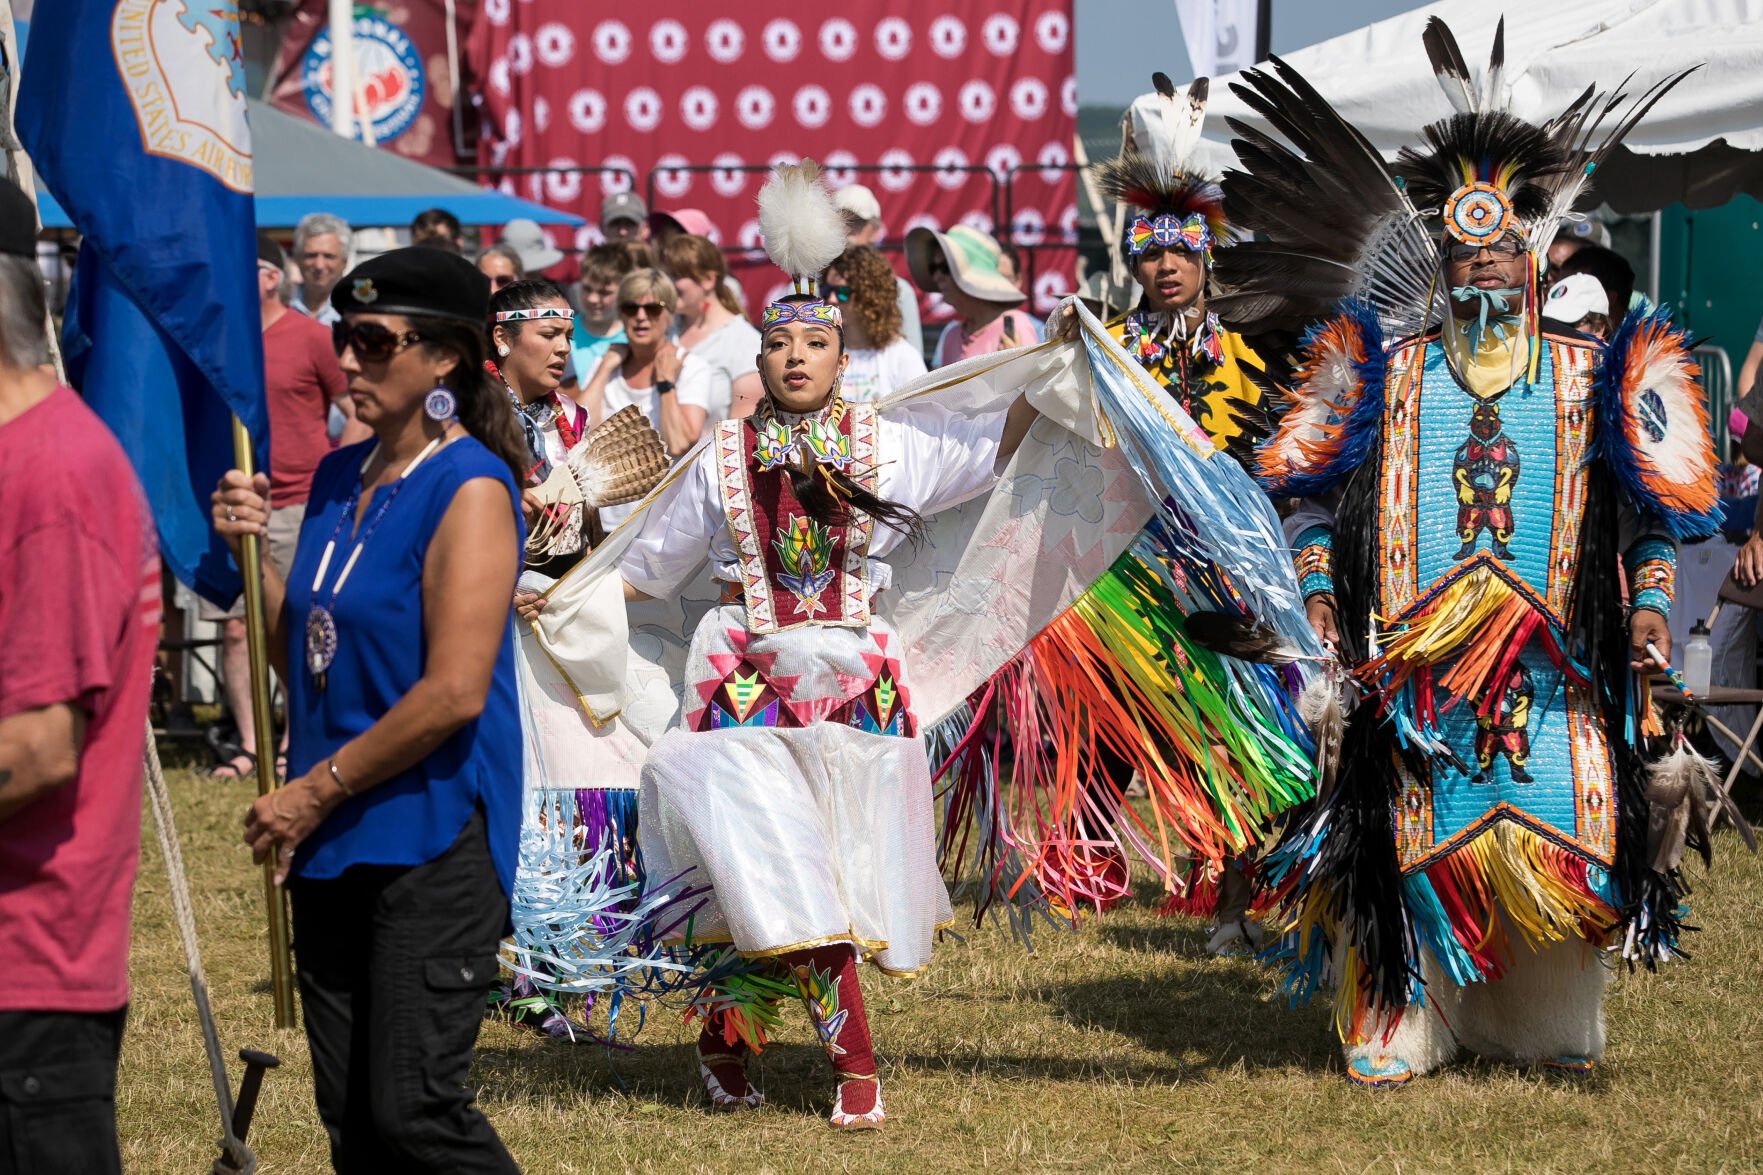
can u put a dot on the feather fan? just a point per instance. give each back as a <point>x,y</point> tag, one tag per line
<point>800,224</point>
<point>621,459</point>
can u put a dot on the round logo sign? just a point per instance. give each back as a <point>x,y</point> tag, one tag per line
<point>389,78</point>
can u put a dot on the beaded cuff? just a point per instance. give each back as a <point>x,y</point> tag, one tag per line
<point>1652,574</point>
<point>1315,561</point>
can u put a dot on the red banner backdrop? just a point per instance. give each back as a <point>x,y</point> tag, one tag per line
<point>947,118</point>
<point>404,61</point>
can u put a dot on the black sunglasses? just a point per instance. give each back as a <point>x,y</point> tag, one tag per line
<point>372,342</point>
<point>652,309</point>
<point>1504,249</point>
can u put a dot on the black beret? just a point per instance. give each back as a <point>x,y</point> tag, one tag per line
<point>415,280</point>
<point>18,221</point>
<point>269,252</point>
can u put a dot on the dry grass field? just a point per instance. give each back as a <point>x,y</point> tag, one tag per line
<point>1120,1046</point>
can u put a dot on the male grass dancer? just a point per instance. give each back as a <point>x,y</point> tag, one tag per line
<point>1470,482</point>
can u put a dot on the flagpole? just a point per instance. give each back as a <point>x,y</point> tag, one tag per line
<point>281,969</point>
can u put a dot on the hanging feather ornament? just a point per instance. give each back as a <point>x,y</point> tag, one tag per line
<point>800,224</point>
<point>1684,792</point>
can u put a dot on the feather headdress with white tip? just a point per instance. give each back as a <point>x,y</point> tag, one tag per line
<point>1156,174</point>
<point>799,223</point>
<point>1332,220</point>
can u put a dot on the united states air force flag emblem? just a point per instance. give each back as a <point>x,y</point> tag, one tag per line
<point>184,69</point>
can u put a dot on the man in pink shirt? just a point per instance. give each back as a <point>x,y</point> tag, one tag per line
<point>302,379</point>
<point>79,610</point>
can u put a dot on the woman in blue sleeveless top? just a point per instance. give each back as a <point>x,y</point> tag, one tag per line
<point>397,831</point>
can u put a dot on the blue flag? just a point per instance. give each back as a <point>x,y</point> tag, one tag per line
<point>133,112</point>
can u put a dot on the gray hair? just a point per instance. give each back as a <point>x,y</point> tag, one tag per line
<point>509,254</point>
<point>24,342</point>
<point>323,224</point>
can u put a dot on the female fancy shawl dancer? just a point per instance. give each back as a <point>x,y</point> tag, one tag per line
<point>1472,488</point>
<point>576,836</point>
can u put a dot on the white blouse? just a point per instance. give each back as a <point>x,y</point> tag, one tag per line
<point>927,459</point>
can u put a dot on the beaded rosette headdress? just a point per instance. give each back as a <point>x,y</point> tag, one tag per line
<point>1167,200</point>
<point>803,234</point>
<point>1333,221</point>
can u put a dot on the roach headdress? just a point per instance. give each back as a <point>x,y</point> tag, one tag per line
<point>1169,200</point>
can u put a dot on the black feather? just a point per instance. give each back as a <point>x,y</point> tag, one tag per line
<point>1242,637</point>
<point>1161,83</point>
<point>1449,65</point>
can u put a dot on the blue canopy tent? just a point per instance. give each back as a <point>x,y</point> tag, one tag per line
<point>303,168</point>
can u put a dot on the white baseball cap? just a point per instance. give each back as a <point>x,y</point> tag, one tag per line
<point>1574,297</point>
<point>859,201</point>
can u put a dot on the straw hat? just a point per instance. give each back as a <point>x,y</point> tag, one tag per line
<point>972,257</point>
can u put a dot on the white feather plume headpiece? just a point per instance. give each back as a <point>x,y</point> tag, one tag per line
<point>799,223</point>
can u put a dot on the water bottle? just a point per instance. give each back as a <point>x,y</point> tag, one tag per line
<point>1698,660</point>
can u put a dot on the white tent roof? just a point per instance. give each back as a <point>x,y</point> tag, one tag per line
<point>1702,144</point>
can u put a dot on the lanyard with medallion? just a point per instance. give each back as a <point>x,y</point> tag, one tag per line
<point>321,620</point>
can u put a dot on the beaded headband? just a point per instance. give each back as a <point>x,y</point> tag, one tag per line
<point>527,315</point>
<point>812,313</point>
<point>1167,230</point>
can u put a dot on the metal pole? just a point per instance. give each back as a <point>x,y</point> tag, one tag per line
<point>281,969</point>
<point>342,21</point>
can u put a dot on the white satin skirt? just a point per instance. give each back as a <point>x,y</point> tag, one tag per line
<point>810,834</point>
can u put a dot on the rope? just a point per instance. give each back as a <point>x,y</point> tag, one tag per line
<point>234,1151</point>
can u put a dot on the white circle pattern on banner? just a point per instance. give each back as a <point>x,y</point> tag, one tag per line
<point>924,220</point>
<point>782,159</point>
<point>587,111</point>
<point>979,220</point>
<point>749,237</point>
<point>670,178</point>
<point>512,126</point>
<point>948,37</point>
<point>541,114</point>
<point>782,39</point>
<point>1027,227</point>
<point>1053,158</point>
<point>869,105</point>
<point>1050,289</point>
<point>755,106</point>
<point>668,41</point>
<point>563,187</point>
<point>612,41</point>
<point>617,181</point>
<point>499,76</point>
<point>496,11</point>
<point>1001,34</point>
<point>924,103</point>
<point>1003,159</point>
<point>893,38</point>
<point>1052,30</point>
<point>728,179</point>
<point>1068,96</point>
<point>840,168</point>
<point>977,101</point>
<point>895,175</point>
<point>1068,222</point>
<point>725,40</point>
<point>951,165</point>
<point>698,108</point>
<point>838,39</point>
<point>520,54</point>
<point>813,106</point>
<point>555,42</point>
<point>642,109</point>
<point>587,236</point>
<point>1028,98</point>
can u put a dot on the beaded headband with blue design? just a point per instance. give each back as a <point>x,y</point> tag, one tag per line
<point>1168,230</point>
<point>815,313</point>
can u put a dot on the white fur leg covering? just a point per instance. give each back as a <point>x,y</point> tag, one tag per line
<point>1422,1035</point>
<point>1549,1004</point>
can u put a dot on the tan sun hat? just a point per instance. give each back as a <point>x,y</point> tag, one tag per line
<point>972,258</point>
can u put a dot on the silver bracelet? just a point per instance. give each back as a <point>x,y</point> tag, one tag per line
<point>348,793</point>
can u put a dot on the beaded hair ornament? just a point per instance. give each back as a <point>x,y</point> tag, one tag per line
<point>1172,202</point>
<point>803,234</point>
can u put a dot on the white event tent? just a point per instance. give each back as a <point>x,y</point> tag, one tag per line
<point>1701,145</point>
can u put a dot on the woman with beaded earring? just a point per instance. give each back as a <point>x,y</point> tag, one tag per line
<point>398,827</point>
